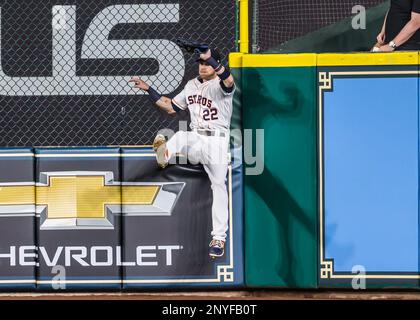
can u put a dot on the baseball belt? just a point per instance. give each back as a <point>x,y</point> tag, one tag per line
<point>211,133</point>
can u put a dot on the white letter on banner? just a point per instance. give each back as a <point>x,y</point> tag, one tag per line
<point>96,45</point>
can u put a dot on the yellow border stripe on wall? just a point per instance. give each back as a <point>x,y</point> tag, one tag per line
<point>244,26</point>
<point>238,60</point>
<point>368,59</point>
<point>275,60</point>
<point>235,60</point>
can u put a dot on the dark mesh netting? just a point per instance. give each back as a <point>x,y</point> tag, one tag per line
<point>278,21</point>
<point>65,66</point>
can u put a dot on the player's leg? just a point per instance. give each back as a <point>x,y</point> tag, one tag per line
<point>216,167</point>
<point>182,142</point>
<point>217,175</point>
<point>220,206</point>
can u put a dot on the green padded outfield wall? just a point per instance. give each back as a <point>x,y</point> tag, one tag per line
<point>338,199</point>
<point>279,96</point>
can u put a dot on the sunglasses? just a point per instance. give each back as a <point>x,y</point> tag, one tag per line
<point>203,63</point>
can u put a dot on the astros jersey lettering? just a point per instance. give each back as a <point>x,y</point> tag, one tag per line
<point>209,104</point>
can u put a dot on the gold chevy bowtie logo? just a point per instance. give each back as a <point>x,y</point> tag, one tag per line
<point>86,200</point>
<point>86,197</point>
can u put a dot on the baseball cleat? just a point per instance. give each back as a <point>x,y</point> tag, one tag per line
<point>217,248</point>
<point>159,146</point>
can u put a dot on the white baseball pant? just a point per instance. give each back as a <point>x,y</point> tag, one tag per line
<point>212,153</point>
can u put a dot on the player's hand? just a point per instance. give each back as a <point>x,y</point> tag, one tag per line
<point>381,38</point>
<point>205,56</point>
<point>139,84</point>
<point>386,48</point>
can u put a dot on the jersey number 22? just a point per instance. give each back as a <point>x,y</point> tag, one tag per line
<point>210,114</point>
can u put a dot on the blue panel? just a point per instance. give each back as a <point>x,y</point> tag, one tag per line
<point>418,133</point>
<point>17,220</point>
<point>371,174</point>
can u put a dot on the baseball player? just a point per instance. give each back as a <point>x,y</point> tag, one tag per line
<point>209,101</point>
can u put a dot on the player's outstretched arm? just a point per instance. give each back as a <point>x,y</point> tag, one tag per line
<point>223,72</point>
<point>162,102</point>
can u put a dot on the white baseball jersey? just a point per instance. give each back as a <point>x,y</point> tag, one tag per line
<point>209,104</point>
<point>210,107</point>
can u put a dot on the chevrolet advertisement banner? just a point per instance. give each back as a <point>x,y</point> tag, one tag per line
<point>109,218</point>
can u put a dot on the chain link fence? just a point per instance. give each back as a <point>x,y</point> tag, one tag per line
<point>278,21</point>
<point>65,66</point>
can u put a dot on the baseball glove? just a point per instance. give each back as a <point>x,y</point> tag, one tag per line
<point>192,46</point>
